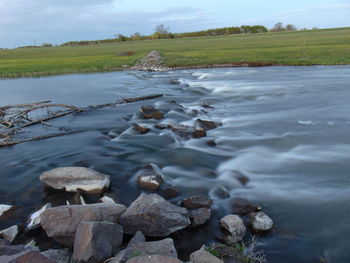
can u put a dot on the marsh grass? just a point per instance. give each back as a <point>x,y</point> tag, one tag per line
<point>322,47</point>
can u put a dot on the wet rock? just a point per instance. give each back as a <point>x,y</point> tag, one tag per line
<point>149,112</point>
<point>199,133</point>
<point>4,209</point>
<point>8,250</point>
<point>73,179</point>
<point>211,143</point>
<point>198,201</point>
<point>96,241</point>
<point>234,229</point>
<point>34,219</point>
<point>221,192</point>
<point>150,178</point>
<point>260,222</point>
<point>154,259</point>
<point>207,125</point>
<point>242,206</point>
<point>10,233</point>
<point>243,179</point>
<point>58,255</point>
<point>153,216</point>
<point>141,129</point>
<point>30,256</point>
<point>199,216</point>
<point>168,192</point>
<point>61,222</point>
<point>203,256</point>
<point>161,126</point>
<point>107,200</point>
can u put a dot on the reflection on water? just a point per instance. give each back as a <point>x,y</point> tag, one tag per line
<point>286,128</point>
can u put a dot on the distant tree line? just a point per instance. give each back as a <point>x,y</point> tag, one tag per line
<point>163,32</point>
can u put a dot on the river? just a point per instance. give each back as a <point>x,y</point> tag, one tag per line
<point>286,128</point>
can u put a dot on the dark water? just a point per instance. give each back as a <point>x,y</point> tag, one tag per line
<point>286,128</point>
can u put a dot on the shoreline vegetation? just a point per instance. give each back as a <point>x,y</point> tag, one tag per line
<point>294,48</point>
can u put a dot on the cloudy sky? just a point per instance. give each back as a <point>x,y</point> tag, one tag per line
<point>25,22</point>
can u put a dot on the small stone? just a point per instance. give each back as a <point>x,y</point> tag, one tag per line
<point>149,112</point>
<point>73,179</point>
<point>96,241</point>
<point>260,222</point>
<point>58,255</point>
<point>203,256</point>
<point>211,143</point>
<point>161,126</point>
<point>34,219</point>
<point>150,178</point>
<point>234,227</point>
<point>199,216</point>
<point>10,233</point>
<point>198,201</point>
<point>141,129</point>
<point>207,125</point>
<point>107,200</point>
<point>242,206</point>
<point>199,133</point>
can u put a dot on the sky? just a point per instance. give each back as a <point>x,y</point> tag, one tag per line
<point>29,22</point>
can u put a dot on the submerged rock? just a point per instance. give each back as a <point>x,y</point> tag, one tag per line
<point>73,179</point>
<point>207,125</point>
<point>96,241</point>
<point>198,201</point>
<point>149,112</point>
<point>153,216</point>
<point>61,222</point>
<point>141,129</point>
<point>150,178</point>
<point>10,233</point>
<point>242,206</point>
<point>234,229</point>
<point>260,222</point>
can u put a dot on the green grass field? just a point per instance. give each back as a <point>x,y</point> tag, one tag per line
<point>324,47</point>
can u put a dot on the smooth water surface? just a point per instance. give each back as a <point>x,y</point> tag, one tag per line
<point>286,128</point>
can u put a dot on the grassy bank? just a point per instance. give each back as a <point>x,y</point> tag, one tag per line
<point>324,47</point>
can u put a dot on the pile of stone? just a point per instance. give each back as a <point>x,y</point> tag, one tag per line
<point>153,61</point>
<point>95,233</point>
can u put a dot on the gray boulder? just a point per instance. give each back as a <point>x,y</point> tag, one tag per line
<point>199,216</point>
<point>73,179</point>
<point>234,229</point>
<point>58,255</point>
<point>154,216</point>
<point>61,222</point>
<point>154,259</point>
<point>203,256</point>
<point>260,222</point>
<point>10,233</point>
<point>96,241</point>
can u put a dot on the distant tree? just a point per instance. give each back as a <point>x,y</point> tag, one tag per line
<point>291,27</point>
<point>162,29</point>
<point>46,45</point>
<point>136,36</point>
<point>278,27</point>
<point>120,37</point>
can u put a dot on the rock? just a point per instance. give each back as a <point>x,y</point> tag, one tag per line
<point>34,219</point>
<point>107,200</point>
<point>161,126</point>
<point>243,179</point>
<point>150,178</point>
<point>141,129</point>
<point>10,233</point>
<point>207,125</point>
<point>7,250</point>
<point>61,222</point>
<point>153,216</point>
<point>96,241</point>
<point>260,222</point>
<point>199,216</point>
<point>221,192</point>
<point>203,256</point>
<point>73,179</point>
<point>31,245</point>
<point>168,192</point>
<point>153,61</point>
<point>58,255</point>
<point>198,201</point>
<point>137,238</point>
<point>149,112</point>
<point>211,143</point>
<point>163,247</point>
<point>154,259</point>
<point>199,133</point>
<point>4,208</point>
<point>234,227</point>
<point>4,242</point>
<point>242,206</point>
<point>30,256</point>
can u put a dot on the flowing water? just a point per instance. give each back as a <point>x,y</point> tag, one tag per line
<point>286,128</point>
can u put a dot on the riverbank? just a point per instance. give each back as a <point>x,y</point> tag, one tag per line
<point>302,48</point>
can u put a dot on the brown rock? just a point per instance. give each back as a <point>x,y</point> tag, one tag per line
<point>141,129</point>
<point>198,201</point>
<point>96,241</point>
<point>149,112</point>
<point>61,222</point>
<point>242,206</point>
<point>150,178</point>
<point>199,216</point>
<point>199,133</point>
<point>207,125</point>
<point>28,257</point>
